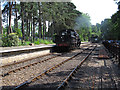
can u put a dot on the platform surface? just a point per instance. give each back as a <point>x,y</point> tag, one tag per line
<point>20,48</point>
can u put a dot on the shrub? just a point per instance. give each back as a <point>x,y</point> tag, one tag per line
<point>4,40</point>
<point>42,41</point>
<point>1,42</point>
<point>37,42</point>
<point>18,32</point>
<point>46,42</point>
<point>27,42</point>
<point>10,40</point>
<point>19,42</point>
<point>51,42</point>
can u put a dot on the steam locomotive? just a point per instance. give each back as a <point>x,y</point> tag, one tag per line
<point>94,38</point>
<point>67,39</point>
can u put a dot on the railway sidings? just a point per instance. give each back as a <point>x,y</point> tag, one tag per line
<point>83,68</point>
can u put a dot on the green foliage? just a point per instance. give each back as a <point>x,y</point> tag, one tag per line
<point>51,42</point>
<point>46,42</point>
<point>37,42</point>
<point>18,32</point>
<point>4,40</point>
<point>111,27</point>
<point>10,40</point>
<point>5,30</point>
<point>41,41</point>
<point>27,42</point>
<point>1,40</point>
<point>60,15</point>
<point>19,42</point>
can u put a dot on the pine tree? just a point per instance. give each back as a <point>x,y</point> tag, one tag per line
<point>10,14</point>
<point>1,29</point>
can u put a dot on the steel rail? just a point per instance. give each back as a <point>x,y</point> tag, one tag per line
<point>70,75</point>
<point>45,72</point>
<point>3,75</point>
<point>25,60</point>
<point>14,70</point>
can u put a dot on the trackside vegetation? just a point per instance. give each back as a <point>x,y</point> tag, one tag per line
<point>22,23</point>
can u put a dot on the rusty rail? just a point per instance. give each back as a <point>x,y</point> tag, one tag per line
<point>3,75</point>
<point>70,75</point>
<point>45,72</point>
<point>25,60</point>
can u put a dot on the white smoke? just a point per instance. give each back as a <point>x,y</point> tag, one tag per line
<point>82,21</point>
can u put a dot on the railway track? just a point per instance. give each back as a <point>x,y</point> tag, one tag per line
<point>92,74</point>
<point>49,56</point>
<point>3,66</point>
<point>78,69</point>
<point>22,61</point>
<point>16,76</point>
<point>16,68</point>
<point>65,82</point>
<point>39,76</point>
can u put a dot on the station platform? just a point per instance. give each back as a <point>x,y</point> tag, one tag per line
<point>20,48</point>
<point>23,53</point>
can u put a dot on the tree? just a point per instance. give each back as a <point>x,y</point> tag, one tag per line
<point>1,29</point>
<point>34,15</point>
<point>22,18</point>
<point>16,16</point>
<point>39,20</point>
<point>10,14</point>
<point>111,27</point>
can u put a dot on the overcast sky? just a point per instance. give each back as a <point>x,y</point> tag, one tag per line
<point>98,10</point>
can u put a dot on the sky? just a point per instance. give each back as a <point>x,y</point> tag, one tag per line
<point>98,10</point>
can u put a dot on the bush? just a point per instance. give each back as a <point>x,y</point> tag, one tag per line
<point>27,42</point>
<point>41,41</point>
<point>46,42</point>
<point>1,42</point>
<point>51,42</point>
<point>10,40</point>
<point>19,42</point>
<point>37,42</point>
<point>4,40</point>
<point>18,32</point>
